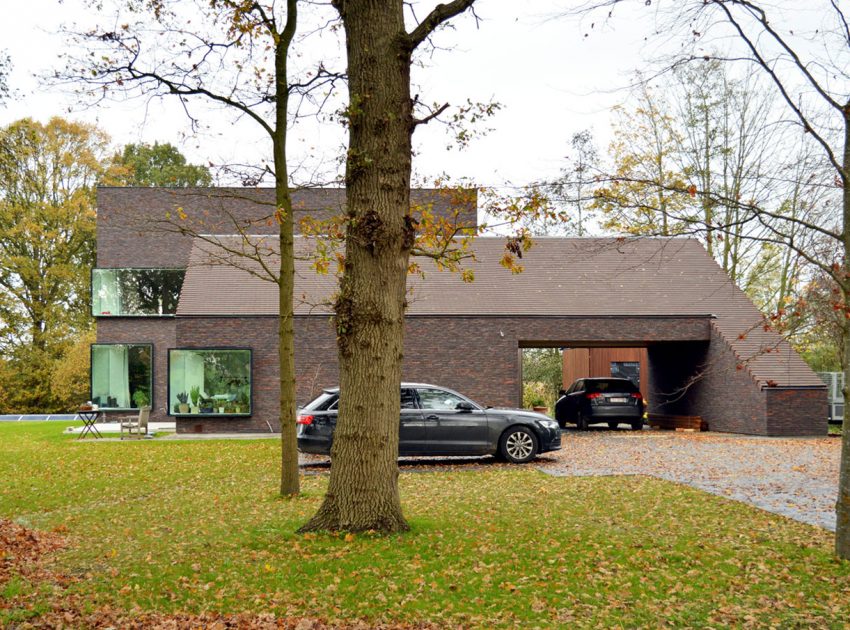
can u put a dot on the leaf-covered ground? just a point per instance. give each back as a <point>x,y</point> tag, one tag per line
<point>157,531</point>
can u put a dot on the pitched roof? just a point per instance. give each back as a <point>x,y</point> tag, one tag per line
<point>561,277</point>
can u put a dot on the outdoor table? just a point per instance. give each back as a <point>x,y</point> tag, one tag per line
<point>89,417</point>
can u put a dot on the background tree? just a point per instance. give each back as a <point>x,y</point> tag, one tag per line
<point>806,63</point>
<point>572,194</point>
<point>640,196</point>
<point>47,222</point>
<point>363,488</point>
<point>542,375</point>
<point>158,165</point>
<point>5,68</point>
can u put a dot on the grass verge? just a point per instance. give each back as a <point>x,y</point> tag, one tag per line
<point>196,527</point>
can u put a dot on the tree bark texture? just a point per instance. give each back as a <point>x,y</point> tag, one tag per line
<point>842,506</point>
<point>363,488</point>
<point>289,479</point>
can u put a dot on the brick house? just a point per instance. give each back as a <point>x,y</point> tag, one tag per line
<point>197,335</point>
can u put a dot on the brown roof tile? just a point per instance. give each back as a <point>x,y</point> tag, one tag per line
<point>561,277</point>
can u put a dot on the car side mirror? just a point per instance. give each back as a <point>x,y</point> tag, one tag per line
<point>562,392</point>
<point>465,406</point>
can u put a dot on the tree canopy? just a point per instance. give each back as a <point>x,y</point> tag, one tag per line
<point>47,225</point>
<point>158,165</point>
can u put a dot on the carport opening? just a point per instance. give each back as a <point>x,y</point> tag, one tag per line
<point>548,370</point>
<point>668,374</point>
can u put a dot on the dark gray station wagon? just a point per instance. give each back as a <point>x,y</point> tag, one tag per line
<point>440,421</point>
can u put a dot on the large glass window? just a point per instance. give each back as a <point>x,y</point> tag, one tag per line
<point>121,375</point>
<point>205,382</point>
<point>136,291</point>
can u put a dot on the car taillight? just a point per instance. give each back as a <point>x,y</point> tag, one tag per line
<point>304,420</point>
<point>637,395</point>
<point>593,396</point>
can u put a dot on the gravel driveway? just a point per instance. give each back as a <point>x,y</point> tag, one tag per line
<point>794,477</point>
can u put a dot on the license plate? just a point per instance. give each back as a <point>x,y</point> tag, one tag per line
<point>618,400</point>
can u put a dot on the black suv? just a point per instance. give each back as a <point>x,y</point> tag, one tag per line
<point>595,400</point>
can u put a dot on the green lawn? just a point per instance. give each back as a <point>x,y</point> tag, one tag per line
<point>196,526</point>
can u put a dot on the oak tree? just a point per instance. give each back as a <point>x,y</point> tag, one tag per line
<point>363,490</point>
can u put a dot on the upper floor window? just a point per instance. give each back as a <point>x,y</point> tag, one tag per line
<point>136,291</point>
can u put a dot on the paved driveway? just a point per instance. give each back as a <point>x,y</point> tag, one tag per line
<point>794,477</point>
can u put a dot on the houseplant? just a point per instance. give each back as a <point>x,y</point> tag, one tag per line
<point>183,407</point>
<point>195,393</point>
<point>242,403</point>
<point>206,405</point>
<point>140,397</point>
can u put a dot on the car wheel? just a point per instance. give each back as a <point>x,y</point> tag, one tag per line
<point>518,445</point>
<point>613,425</point>
<point>637,425</point>
<point>581,422</point>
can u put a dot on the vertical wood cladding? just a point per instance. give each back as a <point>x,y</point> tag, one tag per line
<point>581,362</point>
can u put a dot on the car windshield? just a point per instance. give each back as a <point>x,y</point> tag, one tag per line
<point>610,385</point>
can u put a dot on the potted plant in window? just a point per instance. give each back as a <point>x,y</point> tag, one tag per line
<point>206,405</point>
<point>140,397</point>
<point>183,398</point>
<point>220,405</point>
<point>241,405</point>
<point>195,393</point>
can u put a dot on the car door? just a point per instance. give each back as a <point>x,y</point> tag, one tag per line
<point>412,438</point>
<point>452,431</point>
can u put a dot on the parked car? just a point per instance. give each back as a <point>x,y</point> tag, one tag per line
<point>595,400</point>
<point>439,421</point>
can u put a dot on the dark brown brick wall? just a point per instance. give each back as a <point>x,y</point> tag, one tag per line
<point>161,332</point>
<point>133,228</point>
<point>479,356</point>
<point>717,387</point>
<point>796,411</point>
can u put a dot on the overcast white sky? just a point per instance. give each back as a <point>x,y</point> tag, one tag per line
<point>551,80</point>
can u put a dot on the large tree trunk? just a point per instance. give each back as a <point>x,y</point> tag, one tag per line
<point>289,480</point>
<point>842,506</point>
<point>363,489</point>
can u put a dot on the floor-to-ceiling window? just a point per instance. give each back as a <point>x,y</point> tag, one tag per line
<point>121,375</point>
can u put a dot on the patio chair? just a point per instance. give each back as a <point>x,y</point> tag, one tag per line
<point>136,425</point>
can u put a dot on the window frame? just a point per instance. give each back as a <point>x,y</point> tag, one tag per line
<point>248,414</point>
<point>150,345</point>
<point>110,316</point>
<point>417,388</point>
